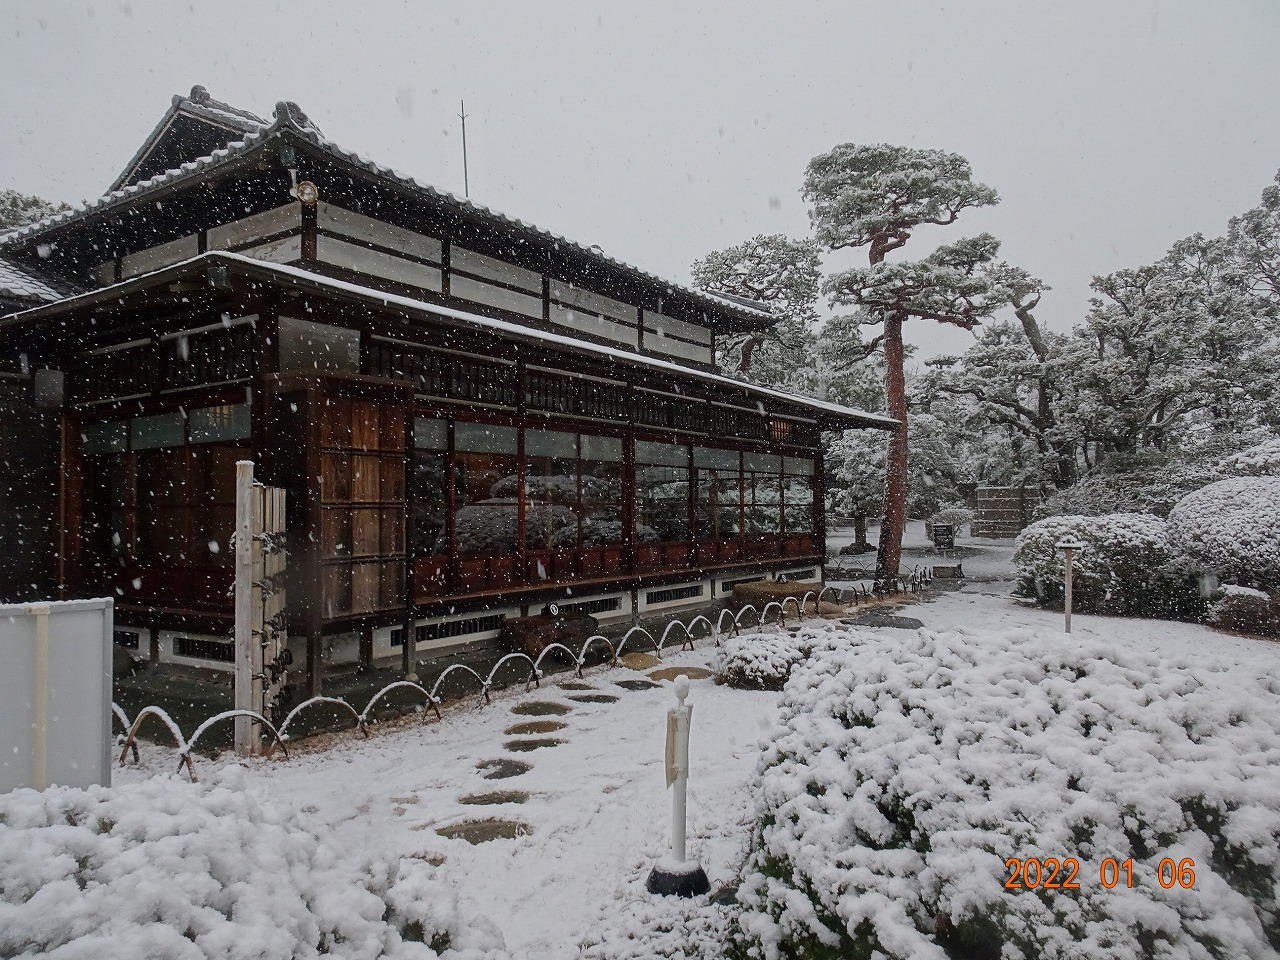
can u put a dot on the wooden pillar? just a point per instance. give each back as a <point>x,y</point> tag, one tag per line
<point>153,651</point>
<point>629,499</point>
<point>819,504</point>
<point>315,571</point>
<point>366,646</point>
<point>70,508</point>
<point>408,646</point>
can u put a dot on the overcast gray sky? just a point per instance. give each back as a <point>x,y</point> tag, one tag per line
<point>663,130</point>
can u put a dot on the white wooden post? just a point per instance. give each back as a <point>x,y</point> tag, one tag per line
<point>244,739</point>
<point>682,715</point>
<point>678,876</point>
<point>1068,547</point>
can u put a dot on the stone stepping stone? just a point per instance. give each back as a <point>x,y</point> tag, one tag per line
<point>575,685</point>
<point>885,620</point>
<point>541,708</point>
<point>594,698</point>
<point>535,726</point>
<point>639,661</point>
<point>503,768</point>
<point>524,746</point>
<point>482,831</point>
<point>670,673</point>
<point>494,797</point>
<point>638,684</point>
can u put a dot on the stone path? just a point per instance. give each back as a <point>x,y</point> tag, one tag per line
<point>529,736</point>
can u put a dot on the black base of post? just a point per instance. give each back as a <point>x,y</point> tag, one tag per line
<point>668,882</point>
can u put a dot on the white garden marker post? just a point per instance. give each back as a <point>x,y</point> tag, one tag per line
<point>1068,547</point>
<point>678,875</point>
<point>244,607</point>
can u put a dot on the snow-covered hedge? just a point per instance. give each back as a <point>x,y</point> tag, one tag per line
<point>1260,460</point>
<point>1232,527</point>
<point>166,868</point>
<point>760,661</point>
<point>906,771</point>
<point>1126,567</point>
<point>1241,608</point>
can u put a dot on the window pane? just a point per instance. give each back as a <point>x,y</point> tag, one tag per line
<point>485,487</point>
<point>307,346</point>
<point>714,458</point>
<point>162,430</point>
<point>662,454</point>
<point>430,499</point>
<point>550,443</point>
<point>430,433</point>
<point>662,508</point>
<point>484,438</point>
<point>719,516</point>
<point>601,448</point>
<point>110,437</point>
<point>763,462</point>
<point>227,422</point>
<point>798,499</point>
<point>800,466</point>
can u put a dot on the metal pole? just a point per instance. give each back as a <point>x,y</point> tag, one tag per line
<point>466,183</point>
<point>244,606</point>
<point>683,712</point>
<point>1069,551</point>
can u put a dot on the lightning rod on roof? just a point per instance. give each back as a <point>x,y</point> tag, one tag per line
<point>466,186</point>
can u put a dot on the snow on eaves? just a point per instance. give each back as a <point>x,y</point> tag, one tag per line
<point>288,116</point>
<point>23,283</point>
<point>381,298</point>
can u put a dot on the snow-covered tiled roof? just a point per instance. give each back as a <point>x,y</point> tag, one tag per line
<point>25,283</point>
<point>380,299</point>
<point>289,117</point>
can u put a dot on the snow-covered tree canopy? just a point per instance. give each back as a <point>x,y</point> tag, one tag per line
<point>773,270</point>
<point>876,194</point>
<point>19,209</point>
<point>949,285</point>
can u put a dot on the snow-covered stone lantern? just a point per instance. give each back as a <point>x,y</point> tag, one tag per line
<point>1068,547</point>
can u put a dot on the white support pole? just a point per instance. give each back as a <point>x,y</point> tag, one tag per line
<point>683,712</point>
<point>1067,580</point>
<point>244,739</point>
<point>680,876</point>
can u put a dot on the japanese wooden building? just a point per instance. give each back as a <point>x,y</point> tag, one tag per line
<point>471,416</point>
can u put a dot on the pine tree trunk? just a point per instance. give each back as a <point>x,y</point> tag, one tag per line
<point>895,480</point>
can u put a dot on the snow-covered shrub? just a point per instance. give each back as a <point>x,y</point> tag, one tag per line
<point>1232,528</point>
<point>760,661</point>
<point>1241,608</point>
<point>1260,460</point>
<point>956,514</point>
<point>905,771</point>
<point>166,868</point>
<point>1131,484</point>
<point>1126,566</point>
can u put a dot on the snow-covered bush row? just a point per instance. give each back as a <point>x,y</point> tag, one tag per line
<point>905,771</point>
<point>166,868</point>
<point>1242,608</point>
<point>760,661</point>
<point>646,926</point>
<point>1126,566</point>
<point>1260,460</point>
<point>1232,528</point>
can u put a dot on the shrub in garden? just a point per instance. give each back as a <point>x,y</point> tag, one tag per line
<point>905,772</point>
<point>760,661</point>
<point>1241,608</point>
<point>1126,566</point>
<point>1232,528</point>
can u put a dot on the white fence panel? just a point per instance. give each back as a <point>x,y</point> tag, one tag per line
<point>55,694</point>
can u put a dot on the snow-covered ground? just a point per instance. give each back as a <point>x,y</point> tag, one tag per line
<point>597,812</point>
